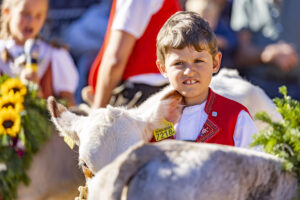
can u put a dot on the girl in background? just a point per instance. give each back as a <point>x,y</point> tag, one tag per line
<point>49,66</point>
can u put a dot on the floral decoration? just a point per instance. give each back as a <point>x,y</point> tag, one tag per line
<point>24,127</point>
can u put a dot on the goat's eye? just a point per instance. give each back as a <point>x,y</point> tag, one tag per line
<point>86,171</point>
<point>85,165</point>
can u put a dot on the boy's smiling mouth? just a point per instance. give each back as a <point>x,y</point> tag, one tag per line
<point>190,82</point>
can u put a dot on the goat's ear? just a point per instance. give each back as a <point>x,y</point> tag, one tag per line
<point>166,104</point>
<point>64,120</point>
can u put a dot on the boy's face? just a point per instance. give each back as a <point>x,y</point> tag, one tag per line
<point>26,19</point>
<point>190,72</point>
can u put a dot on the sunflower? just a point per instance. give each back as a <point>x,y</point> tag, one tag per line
<point>10,122</point>
<point>12,100</point>
<point>15,85</point>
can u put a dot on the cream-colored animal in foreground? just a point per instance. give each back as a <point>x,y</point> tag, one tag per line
<point>107,133</point>
<point>176,170</point>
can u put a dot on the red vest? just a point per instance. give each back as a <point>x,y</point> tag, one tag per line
<point>220,124</point>
<point>143,57</point>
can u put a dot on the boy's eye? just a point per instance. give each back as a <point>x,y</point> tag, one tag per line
<point>178,63</point>
<point>198,61</point>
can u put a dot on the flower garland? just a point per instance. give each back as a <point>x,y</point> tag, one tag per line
<point>24,126</point>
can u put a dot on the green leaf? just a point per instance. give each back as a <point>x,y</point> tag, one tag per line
<point>5,140</point>
<point>282,139</point>
<point>21,136</point>
<point>283,90</point>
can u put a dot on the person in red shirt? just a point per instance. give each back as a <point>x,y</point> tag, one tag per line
<point>128,54</point>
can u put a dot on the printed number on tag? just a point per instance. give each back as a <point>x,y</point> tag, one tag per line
<point>163,133</point>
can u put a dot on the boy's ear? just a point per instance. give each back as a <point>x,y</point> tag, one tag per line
<point>161,67</point>
<point>217,62</point>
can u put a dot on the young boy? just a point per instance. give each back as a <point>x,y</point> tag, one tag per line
<point>187,54</point>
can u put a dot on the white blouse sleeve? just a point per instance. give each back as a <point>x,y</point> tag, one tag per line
<point>64,72</point>
<point>244,130</point>
<point>133,16</point>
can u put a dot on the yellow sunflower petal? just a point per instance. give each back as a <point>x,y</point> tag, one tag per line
<point>15,85</point>
<point>13,101</point>
<point>10,122</point>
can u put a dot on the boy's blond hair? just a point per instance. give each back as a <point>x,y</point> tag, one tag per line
<point>184,29</point>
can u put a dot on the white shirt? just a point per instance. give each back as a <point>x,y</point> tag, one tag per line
<point>194,117</point>
<point>64,73</point>
<point>133,16</point>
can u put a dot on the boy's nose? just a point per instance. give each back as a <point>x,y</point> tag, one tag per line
<point>188,69</point>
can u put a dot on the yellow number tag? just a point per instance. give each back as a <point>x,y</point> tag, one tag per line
<point>69,141</point>
<point>163,133</point>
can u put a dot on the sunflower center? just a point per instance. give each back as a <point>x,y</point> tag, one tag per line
<point>8,123</point>
<point>16,90</point>
<point>8,104</point>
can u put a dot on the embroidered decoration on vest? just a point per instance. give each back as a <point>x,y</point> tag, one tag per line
<point>210,102</point>
<point>208,131</point>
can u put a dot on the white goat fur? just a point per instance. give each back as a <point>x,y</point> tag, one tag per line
<point>108,132</point>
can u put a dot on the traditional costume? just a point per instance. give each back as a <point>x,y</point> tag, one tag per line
<point>217,120</point>
<point>56,70</point>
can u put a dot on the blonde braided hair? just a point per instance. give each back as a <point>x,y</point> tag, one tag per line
<point>4,20</point>
<point>4,26</point>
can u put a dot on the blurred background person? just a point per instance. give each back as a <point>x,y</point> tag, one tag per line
<point>81,26</point>
<point>61,14</point>
<point>128,55</point>
<point>25,55</point>
<point>269,43</point>
<point>85,37</point>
